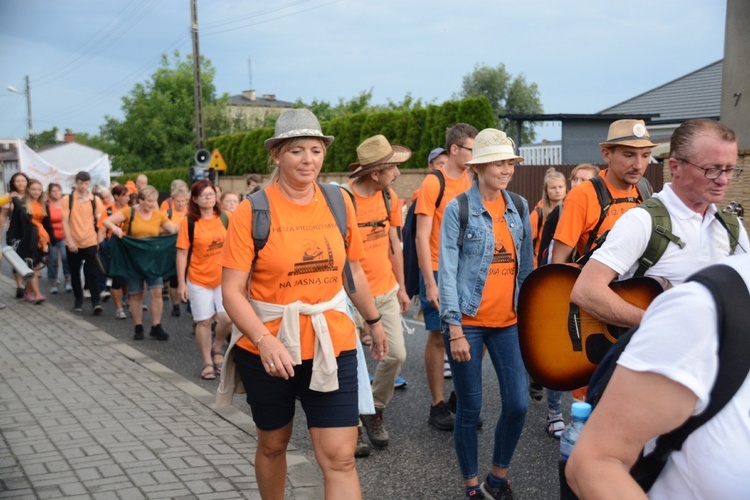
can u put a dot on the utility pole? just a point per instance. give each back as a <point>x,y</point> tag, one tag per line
<point>28,106</point>
<point>197,92</point>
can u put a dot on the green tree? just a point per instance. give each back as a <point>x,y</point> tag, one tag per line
<point>158,130</point>
<point>507,96</point>
<point>45,138</point>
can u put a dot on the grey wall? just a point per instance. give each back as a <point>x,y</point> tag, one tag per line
<point>580,141</point>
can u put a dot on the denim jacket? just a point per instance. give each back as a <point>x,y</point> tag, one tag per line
<point>463,273</point>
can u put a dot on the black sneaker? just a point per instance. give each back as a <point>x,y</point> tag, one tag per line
<point>452,407</point>
<point>158,333</point>
<point>536,392</point>
<point>138,332</point>
<point>176,311</point>
<point>20,292</point>
<point>502,493</point>
<point>98,310</point>
<point>440,417</point>
<point>476,495</point>
<point>376,432</point>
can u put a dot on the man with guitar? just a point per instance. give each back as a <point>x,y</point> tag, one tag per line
<point>703,163</point>
<point>627,152</point>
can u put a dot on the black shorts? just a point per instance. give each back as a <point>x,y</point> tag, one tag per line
<point>272,399</point>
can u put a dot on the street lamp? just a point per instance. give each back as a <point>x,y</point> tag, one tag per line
<point>28,103</point>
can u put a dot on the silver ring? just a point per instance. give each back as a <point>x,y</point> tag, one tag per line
<point>273,365</point>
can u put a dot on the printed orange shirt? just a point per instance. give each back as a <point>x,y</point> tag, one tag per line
<point>81,221</point>
<point>428,194</point>
<point>177,216</point>
<point>377,262</point>
<point>581,213</point>
<point>142,228</point>
<point>208,240</point>
<point>496,309</point>
<point>303,260</point>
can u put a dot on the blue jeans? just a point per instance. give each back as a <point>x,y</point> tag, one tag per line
<point>505,354</point>
<point>554,401</point>
<point>52,269</point>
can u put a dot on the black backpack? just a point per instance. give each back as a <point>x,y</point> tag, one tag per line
<point>732,299</point>
<point>463,212</point>
<point>409,233</point>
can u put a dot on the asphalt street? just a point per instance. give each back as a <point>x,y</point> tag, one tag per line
<point>420,461</point>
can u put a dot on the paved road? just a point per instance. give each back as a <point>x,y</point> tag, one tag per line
<point>420,461</point>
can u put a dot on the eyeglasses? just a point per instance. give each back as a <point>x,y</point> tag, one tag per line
<point>714,173</point>
<point>207,196</point>
<point>470,150</point>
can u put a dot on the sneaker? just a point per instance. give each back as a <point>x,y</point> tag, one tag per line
<point>362,449</point>
<point>78,307</point>
<point>68,287</point>
<point>440,417</point>
<point>120,314</point>
<point>176,311</point>
<point>86,294</point>
<point>451,403</point>
<point>54,290</point>
<point>376,432</point>
<point>555,426</point>
<point>98,310</point>
<point>29,297</point>
<point>503,492</point>
<point>476,494</point>
<point>145,307</point>
<point>105,295</point>
<point>446,368</point>
<point>20,294</point>
<point>400,382</point>
<point>536,392</point>
<point>39,298</point>
<point>158,333</point>
<point>138,332</point>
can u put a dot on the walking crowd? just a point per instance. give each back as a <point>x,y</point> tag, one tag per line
<point>288,284</point>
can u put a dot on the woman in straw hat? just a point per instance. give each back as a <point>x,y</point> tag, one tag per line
<point>294,337</point>
<point>479,283</point>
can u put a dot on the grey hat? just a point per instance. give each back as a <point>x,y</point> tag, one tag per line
<point>297,123</point>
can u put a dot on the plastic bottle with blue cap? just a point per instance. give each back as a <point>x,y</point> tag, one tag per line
<point>580,412</point>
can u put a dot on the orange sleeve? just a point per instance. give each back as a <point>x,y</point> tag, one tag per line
<point>183,241</point>
<point>395,216</point>
<point>427,197</point>
<point>239,250</point>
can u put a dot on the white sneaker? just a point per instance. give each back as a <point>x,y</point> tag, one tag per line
<point>120,314</point>
<point>86,294</point>
<point>104,296</point>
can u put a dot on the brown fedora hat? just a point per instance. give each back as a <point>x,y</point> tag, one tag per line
<point>631,133</point>
<point>377,153</point>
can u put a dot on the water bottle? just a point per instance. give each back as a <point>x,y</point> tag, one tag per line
<point>580,412</point>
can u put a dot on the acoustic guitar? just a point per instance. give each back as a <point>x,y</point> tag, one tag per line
<point>561,344</point>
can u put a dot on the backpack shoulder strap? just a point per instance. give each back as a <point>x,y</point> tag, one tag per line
<point>261,221</point>
<point>732,224</point>
<point>605,201</point>
<point>644,189</point>
<point>169,213</point>
<point>191,234</point>
<point>661,235</point>
<point>348,189</point>
<point>463,216</point>
<point>335,199</point>
<point>518,203</point>
<point>224,219</point>
<point>731,295</point>
<point>540,219</point>
<point>132,218</point>
<point>441,178</point>
<point>388,202</point>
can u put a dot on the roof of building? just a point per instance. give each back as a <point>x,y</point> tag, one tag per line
<point>263,101</point>
<point>695,95</point>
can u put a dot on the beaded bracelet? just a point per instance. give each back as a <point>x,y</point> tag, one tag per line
<point>451,339</point>
<point>373,321</point>
<point>257,343</point>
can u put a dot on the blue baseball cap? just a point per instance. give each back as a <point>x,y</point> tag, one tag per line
<point>435,153</point>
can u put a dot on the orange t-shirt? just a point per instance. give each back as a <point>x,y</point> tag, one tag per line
<point>208,240</point>
<point>303,260</point>
<point>142,228</point>
<point>81,220</point>
<point>496,309</point>
<point>177,216</point>
<point>37,216</point>
<point>582,211</point>
<point>428,195</point>
<point>106,215</point>
<point>377,262</point>
<point>536,228</point>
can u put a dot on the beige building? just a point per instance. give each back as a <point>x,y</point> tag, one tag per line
<point>248,110</point>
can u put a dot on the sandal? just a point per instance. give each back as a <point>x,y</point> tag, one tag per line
<point>555,426</point>
<point>208,375</point>
<point>217,364</point>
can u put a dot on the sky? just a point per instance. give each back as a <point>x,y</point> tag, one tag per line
<point>83,56</point>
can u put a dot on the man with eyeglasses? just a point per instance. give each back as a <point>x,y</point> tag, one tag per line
<point>459,141</point>
<point>703,163</point>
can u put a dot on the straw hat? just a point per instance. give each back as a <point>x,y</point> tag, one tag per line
<point>297,123</point>
<point>631,133</point>
<point>492,145</point>
<point>377,153</point>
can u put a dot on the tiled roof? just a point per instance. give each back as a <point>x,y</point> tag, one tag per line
<point>260,101</point>
<point>695,95</point>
